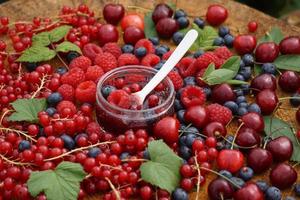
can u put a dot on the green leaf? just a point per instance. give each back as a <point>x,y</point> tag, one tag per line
<point>37,54</point>
<point>59,33</point>
<point>288,62</point>
<point>164,163</point>
<point>211,67</point>
<point>67,46</point>
<point>232,63</point>
<point>206,38</point>
<point>61,183</point>
<point>149,27</point>
<point>276,127</point>
<point>41,39</point>
<point>236,82</point>
<point>219,76</point>
<point>257,69</point>
<point>275,35</point>
<point>172,5</point>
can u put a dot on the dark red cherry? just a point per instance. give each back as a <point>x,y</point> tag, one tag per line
<point>244,44</point>
<point>281,148</point>
<point>166,27</point>
<point>249,192</point>
<point>113,13</point>
<point>290,45</point>
<point>215,129</point>
<point>219,189</point>
<point>289,81</point>
<point>231,160</point>
<point>161,11</point>
<point>253,120</point>
<point>266,52</point>
<point>259,159</point>
<point>264,81</point>
<point>197,115</point>
<point>167,129</point>
<point>247,137</point>
<point>267,101</point>
<point>283,176</point>
<point>222,93</point>
<point>107,33</point>
<point>132,34</point>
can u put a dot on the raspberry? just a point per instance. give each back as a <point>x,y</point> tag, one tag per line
<point>112,48</point>
<point>67,92</point>
<point>218,113</point>
<point>81,62</point>
<point>128,59</point>
<point>167,55</point>
<point>223,53</point>
<point>93,73</point>
<point>199,75</point>
<point>93,127</point>
<point>192,96</point>
<point>119,98</point>
<point>187,67</point>
<point>91,50</point>
<point>73,77</point>
<point>204,60</point>
<point>66,107</point>
<point>150,60</point>
<point>145,43</point>
<point>86,92</point>
<point>176,80</point>
<point>106,61</point>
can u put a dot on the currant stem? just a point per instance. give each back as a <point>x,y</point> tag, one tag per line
<point>41,86</point>
<point>14,162</point>
<point>59,57</point>
<point>135,160</point>
<point>3,115</point>
<point>199,177</point>
<point>235,135</point>
<point>137,7</point>
<point>113,188</point>
<point>19,132</point>
<point>288,98</point>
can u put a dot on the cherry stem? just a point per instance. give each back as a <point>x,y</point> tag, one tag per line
<point>199,177</point>
<point>184,130</point>
<point>41,86</point>
<point>59,57</point>
<point>18,132</point>
<point>288,98</point>
<point>238,146</point>
<point>14,162</point>
<point>235,135</point>
<point>138,7</point>
<point>79,149</point>
<point>295,165</point>
<point>113,188</point>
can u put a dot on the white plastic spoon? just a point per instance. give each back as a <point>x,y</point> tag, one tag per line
<point>175,57</point>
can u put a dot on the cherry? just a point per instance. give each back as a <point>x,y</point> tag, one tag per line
<point>166,27</point>
<point>244,44</point>
<point>290,45</point>
<point>281,148</point>
<point>264,81</point>
<point>167,129</point>
<point>132,20</point>
<point>132,34</point>
<point>219,189</point>
<point>107,33</point>
<point>247,137</point>
<point>267,101</point>
<point>252,26</point>
<point>259,159</point>
<point>266,52</point>
<point>216,15</point>
<point>197,115</point>
<point>215,129</point>
<point>231,160</point>
<point>222,93</point>
<point>283,176</point>
<point>289,81</point>
<point>113,13</point>
<point>161,11</point>
<point>249,192</point>
<point>253,120</point>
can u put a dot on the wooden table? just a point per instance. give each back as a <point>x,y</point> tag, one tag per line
<point>239,16</point>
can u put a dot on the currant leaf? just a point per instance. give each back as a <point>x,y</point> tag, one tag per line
<point>37,54</point>
<point>149,28</point>
<point>41,39</point>
<point>275,35</point>
<point>58,33</point>
<point>67,46</point>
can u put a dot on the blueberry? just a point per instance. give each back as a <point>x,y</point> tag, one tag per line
<point>24,144</point>
<point>242,111</point>
<point>183,22</point>
<point>229,40</point>
<point>192,130</point>
<point>239,92</point>
<point>41,132</point>
<point>297,190</point>
<point>242,64</point>
<point>223,30</point>
<point>238,181</point>
<point>154,40</point>
<point>218,41</point>
<point>198,53</point>
<point>232,106</point>
<point>166,47</point>
<point>51,111</point>
<point>207,91</point>
<point>140,52</point>
<point>178,93</point>
<point>94,152</point>
<point>220,145</point>
<point>239,77</point>
<point>106,90</point>
<point>177,105</point>
<point>254,108</point>
<point>160,51</point>
<point>177,37</point>
<point>31,66</point>
<point>124,155</point>
<point>268,68</point>
<point>245,88</point>
<point>248,59</point>
<point>71,55</point>
<point>190,138</point>
<point>199,22</point>
<point>54,98</point>
<point>185,152</point>
<point>273,193</point>
<point>240,99</point>
<point>246,72</point>
<point>180,194</point>
<point>226,173</point>
<point>127,48</point>
<point>246,173</point>
<point>263,185</point>
<point>190,80</point>
<point>180,116</point>
<point>61,70</point>
<point>179,13</point>
<point>243,105</point>
<point>146,154</point>
<point>159,65</point>
<point>69,143</point>
<point>182,141</point>
<point>295,100</point>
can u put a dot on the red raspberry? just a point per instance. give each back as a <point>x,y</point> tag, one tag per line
<point>73,77</point>
<point>199,76</point>
<point>223,53</point>
<point>150,60</point>
<point>176,80</point>
<point>218,113</point>
<point>192,95</point>
<point>91,50</point>
<point>119,98</point>
<point>93,73</point>
<point>106,61</point>
<point>113,48</point>
<point>81,62</point>
<point>67,92</point>
<point>66,107</point>
<point>204,60</point>
<point>167,55</point>
<point>86,92</point>
<point>187,67</point>
<point>93,127</point>
<point>128,59</point>
<point>145,43</point>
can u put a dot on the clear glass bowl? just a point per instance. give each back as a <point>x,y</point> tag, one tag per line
<point>114,118</point>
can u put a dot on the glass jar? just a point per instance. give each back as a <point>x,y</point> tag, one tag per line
<point>116,119</point>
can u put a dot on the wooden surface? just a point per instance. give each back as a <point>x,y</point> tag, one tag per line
<point>239,16</point>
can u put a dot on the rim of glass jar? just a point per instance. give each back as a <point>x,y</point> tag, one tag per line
<point>114,71</point>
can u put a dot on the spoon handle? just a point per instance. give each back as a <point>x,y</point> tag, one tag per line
<point>178,53</point>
